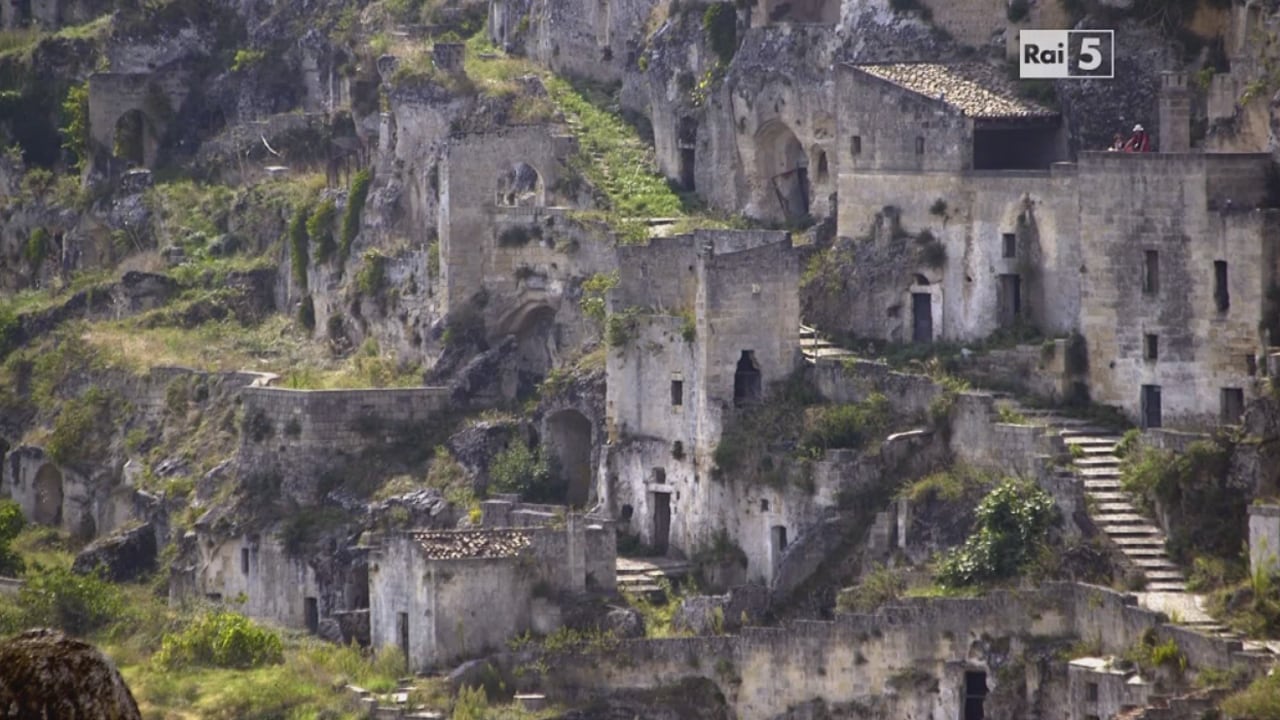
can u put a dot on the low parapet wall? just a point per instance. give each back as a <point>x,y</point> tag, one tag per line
<point>856,658</point>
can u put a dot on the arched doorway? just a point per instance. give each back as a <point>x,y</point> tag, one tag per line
<point>48,487</point>
<point>746,380</point>
<point>134,139</point>
<point>569,436</point>
<point>536,343</point>
<point>783,168</point>
<point>521,186</point>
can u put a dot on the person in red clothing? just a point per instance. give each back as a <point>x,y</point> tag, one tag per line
<point>1139,141</point>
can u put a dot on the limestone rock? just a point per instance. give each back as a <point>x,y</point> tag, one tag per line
<point>45,674</point>
<point>125,554</point>
<point>623,623</point>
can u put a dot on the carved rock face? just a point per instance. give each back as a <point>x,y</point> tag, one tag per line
<point>44,673</point>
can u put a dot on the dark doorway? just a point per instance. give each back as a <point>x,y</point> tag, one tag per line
<point>661,522</point>
<point>777,543</point>
<point>1010,299</point>
<point>48,510</point>
<point>1221,295</point>
<point>402,635</point>
<point>1232,405</point>
<point>570,436</point>
<point>975,695</point>
<point>131,138</point>
<point>686,169</point>
<point>311,608</point>
<point>921,317</point>
<point>746,380</point>
<point>1150,406</point>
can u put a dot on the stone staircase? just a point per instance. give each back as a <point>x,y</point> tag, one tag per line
<point>644,576</point>
<point>813,346</point>
<point>1114,512</point>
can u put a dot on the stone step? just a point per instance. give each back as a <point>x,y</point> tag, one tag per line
<point>1117,506</point>
<point>1103,496</point>
<point>1098,450</point>
<point>1084,430</point>
<point>1129,529</point>
<point>1096,461</point>
<point>1099,472</point>
<point>1082,439</point>
<point>1103,517</point>
<point>1103,485</point>
<point>1127,542</point>
<point>1149,564</point>
<point>1165,575</point>
<point>1166,587</point>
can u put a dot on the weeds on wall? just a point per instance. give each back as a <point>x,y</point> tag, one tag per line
<point>878,587</point>
<point>320,230</point>
<point>720,27</point>
<point>299,242</point>
<point>351,215</point>
<point>11,523</point>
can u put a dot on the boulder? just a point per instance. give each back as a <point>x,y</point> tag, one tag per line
<point>45,674</point>
<point>623,623</point>
<point>125,554</point>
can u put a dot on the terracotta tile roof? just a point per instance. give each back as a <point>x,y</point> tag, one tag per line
<point>975,89</point>
<point>460,544</point>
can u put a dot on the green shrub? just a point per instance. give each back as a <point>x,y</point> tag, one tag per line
<point>75,122</point>
<point>594,291</point>
<point>528,472</point>
<point>720,25</point>
<point>847,426</point>
<point>77,435</point>
<point>246,59</point>
<point>351,216</point>
<point>77,604</point>
<point>471,704</point>
<point>11,523</point>
<point>320,230</point>
<point>1011,522</point>
<point>299,257</point>
<point>221,639</point>
<point>10,330</point>
<point>1259,701</point>
<point>372,278</point>
<point>880,586</point>
<point>36,249</point>
<point>620,328</point>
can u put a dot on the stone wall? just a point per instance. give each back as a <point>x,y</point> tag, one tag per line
<point>274,585</point>
<point>1181,214</point>
<point>1012,449</point>
<point>1038,209</point>
<point>300,434</point>
<point>157,96</point>
<point>851,380</point>
<point>470,176</point>
<point>912,655</point>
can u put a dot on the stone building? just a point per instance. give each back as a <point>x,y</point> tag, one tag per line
<point>1162,261</point>
<point>708,323</point>
<point>425,588</point>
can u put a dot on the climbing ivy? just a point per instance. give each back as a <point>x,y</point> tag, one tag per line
<point>720,24</point>
<point>351,218</point>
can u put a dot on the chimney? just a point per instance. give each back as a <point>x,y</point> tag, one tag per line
<point>1175,113</point>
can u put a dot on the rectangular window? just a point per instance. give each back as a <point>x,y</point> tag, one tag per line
<point>1010,248</point>
<point>244,560</point>
<point>1251,364</point>
<point>1151,346</point>
<point>919,146</point>
<point>1091,692</point>
<point>1221,296</point>
<point>855,145</point>
<point>677,393</point>
<point>1151,273</point>
<point>1232,405</point>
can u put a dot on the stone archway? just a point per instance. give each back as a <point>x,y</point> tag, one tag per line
<point>537,345</point>
<point>48,496</point>
<point>133,139</point>
<point>782,170</point>
<point>569,437</point>
<point>520,185</point>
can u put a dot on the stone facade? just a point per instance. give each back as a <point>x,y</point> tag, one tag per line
<point>714,320</point>
<point>424,587</point>
<point>1160,260</point>
<point>299,434</point>
<point>153,99</point>
<point>273,584</point>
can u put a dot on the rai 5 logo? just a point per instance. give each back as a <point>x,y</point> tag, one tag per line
<point>1059,54</point>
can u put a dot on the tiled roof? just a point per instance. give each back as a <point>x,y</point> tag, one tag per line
<point>459,544</point>
<point>975,89</point>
